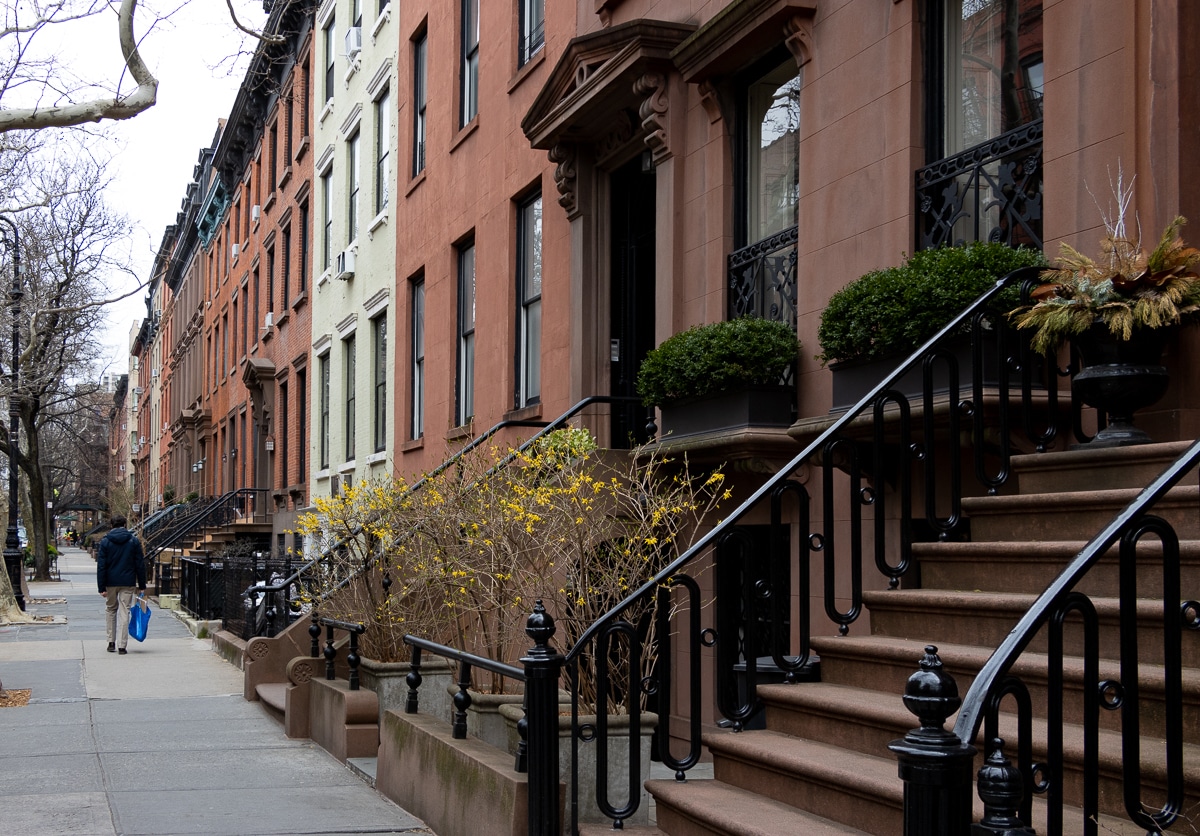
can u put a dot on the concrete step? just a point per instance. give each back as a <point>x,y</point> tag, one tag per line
<point>1072,515</point>
<point>859,725</point>
<point>883,664</point>
<point>713,808</point>
<point>986,618</point>
<point>1084,469</point>
<point>860,791</point>
<point>1031,566</point>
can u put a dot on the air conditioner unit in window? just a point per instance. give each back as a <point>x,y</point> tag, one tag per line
<point>269,319</point>
<point>141,440</point>
<point>137,390</point>
<point>345,265</point>
<point>154,372</point>
<point>234,250</point>
<point>353,41</point>
<point>255,212</point>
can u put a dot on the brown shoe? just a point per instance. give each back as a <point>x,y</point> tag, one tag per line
<point>121,652</point>
<point>112,647</point>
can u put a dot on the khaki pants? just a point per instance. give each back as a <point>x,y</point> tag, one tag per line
<point>118,598</point>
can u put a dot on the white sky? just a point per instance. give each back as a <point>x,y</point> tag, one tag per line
<point>155,152</point>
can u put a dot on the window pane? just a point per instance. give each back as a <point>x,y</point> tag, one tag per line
<point>466,335</point>
<point>354,180</point>
<point>418,352</point>
<point>773,106</point>
<point>379,336</point>
<point>383,141</point>
<point>419,107</point>
<point>351,385</point>
<point>529,292</point>
<point>994,69</point>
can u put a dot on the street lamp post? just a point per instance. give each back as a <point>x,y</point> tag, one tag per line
<point>12,543</point>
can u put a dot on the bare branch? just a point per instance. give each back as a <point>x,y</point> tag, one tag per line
<point>116,108</point>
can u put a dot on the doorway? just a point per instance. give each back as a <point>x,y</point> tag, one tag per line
<point>631,332</point>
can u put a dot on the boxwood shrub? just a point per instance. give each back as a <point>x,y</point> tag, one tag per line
<point>717,357</point>
<point>892,311</point>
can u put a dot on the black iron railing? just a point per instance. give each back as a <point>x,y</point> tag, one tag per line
<point>898,463</point>
<point>266,606</point>
<point>202,587</point>
<point>1008,791</point>
<point>992,192</point>
<point>241,504</point>
<point>762,278</point>
<point>352,629</point>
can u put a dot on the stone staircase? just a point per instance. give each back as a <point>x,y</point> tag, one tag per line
<point>822,764</point>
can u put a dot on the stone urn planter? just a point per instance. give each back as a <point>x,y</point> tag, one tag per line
<point>618,762</point>
<point>1119,377</point>
<point>389,680</point>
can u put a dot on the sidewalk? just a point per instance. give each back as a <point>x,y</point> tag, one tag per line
<point>158,741</point>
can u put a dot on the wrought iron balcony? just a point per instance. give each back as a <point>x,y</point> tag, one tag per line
<point>762,278</point>
<point>992,192</point>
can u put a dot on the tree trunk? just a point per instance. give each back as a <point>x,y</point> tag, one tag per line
<point>9,612</point>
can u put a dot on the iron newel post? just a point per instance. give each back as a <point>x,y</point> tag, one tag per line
<point>935,766</point>
<point>12,543</point>
<point>542,669</point>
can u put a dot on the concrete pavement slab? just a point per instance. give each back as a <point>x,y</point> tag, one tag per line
<point>253,812</point>
<point>177,710</point>
<point>57,814</point>
<point>45,714</point>
<point>21,651</point>
<point>39,774</point>
<point>228,735</point>
<point>48,680</point>
<point>297,766</point>
<point>46,740</point>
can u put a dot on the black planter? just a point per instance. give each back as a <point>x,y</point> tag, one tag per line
<point>1120,377</point>
<point>853,379</point>
<point>754,406</point>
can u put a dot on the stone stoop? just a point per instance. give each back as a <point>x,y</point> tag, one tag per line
<point>822,763</point>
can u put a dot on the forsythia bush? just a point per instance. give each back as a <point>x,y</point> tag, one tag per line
<point>461,556</point>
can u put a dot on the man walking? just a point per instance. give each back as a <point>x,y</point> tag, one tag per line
<point>120,564</point>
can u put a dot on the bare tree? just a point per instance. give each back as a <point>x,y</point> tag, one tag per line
<point>67,250</point>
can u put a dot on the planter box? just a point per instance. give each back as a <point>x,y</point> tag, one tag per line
<point>854,379</point>
<point>389,681</point>
<point>618,763</point>
<point>755,406</point>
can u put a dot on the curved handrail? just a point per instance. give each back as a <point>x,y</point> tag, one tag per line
<point>974,704</point>
<point>1026,276</point>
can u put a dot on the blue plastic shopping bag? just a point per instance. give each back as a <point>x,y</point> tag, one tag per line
<point>139,619</point>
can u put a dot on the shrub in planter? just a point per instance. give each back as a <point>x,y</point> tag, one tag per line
<point>717,357</point>
<point>892,311</point>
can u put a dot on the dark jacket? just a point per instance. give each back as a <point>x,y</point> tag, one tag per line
<point>119,561</point>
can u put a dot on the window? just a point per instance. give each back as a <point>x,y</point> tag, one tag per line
<point>352,174</point>
<point>348,346</point>
<point>305,112</point>
<point>418,359</point>
<point>273,172</point>
<point>285,272</point>
<point>529,300</point>
<point>290,112</point>
<point>302,425</point>
<point>303,277</point>
<point>356,12</point>
<point>419,104</point>
<point>470,61</point>
<point>771,150</point>
<point>379,373</point>
<point>254,284</point>
<point>327,199</point>
<point>533,28</point>
<point>465,380</point>
<point>281,435</point>
<point>383,141</point>
<point>330,53</point>
<point>992,72</point>
<point>270,280</point>
<point>323,422</point>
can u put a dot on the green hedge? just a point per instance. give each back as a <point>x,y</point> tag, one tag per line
<point>716,357</point>
<point>892,311</point>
